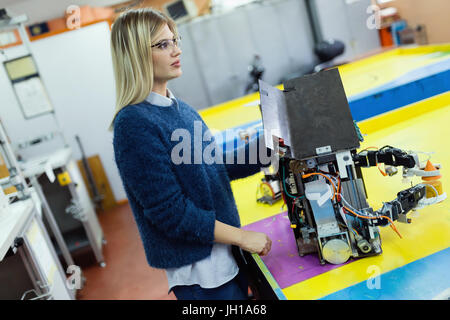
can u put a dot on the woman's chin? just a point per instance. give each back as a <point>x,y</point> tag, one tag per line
<point>177,74</point>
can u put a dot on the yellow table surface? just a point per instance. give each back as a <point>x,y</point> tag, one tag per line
<point>379,69</point>
<point>423,126</point>
<point>430,229</point>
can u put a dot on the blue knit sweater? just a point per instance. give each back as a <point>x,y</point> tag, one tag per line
<point>175,205</point>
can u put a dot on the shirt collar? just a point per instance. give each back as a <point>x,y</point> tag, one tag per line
<point>159,100</point>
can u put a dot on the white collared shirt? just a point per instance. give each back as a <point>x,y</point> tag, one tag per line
<point>159,100</point>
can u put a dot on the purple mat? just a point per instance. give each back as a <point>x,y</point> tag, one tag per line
<point>283,261</point>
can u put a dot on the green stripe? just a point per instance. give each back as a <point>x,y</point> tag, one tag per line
<point>265,271</point>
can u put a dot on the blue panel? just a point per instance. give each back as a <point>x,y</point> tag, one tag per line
<point>423,279</point>
<point>413,75</point>
<point>400,96</point>
<point>280,294</point>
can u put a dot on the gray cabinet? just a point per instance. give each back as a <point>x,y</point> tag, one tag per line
<point>346,20</point>
<point>217,50</point>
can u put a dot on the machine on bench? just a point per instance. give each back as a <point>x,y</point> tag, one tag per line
<point>310,128</point>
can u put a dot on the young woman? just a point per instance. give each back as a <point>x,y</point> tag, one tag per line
<point>185,212</point>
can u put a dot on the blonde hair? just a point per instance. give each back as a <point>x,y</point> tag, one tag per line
<point>131,38</point>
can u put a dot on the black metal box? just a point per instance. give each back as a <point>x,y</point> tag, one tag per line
<point>312,114</point>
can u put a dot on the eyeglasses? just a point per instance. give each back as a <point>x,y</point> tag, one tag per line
<point>166,43</point>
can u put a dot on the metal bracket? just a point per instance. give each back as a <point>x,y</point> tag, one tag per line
<point>323,150</point>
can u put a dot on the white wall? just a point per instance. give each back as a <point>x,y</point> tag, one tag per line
<point>76,69</point>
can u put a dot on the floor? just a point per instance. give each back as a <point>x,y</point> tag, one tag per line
<point>127,274</point>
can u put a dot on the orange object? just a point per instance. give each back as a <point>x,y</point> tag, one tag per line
<point>16,43</point>
<point>432,181</point>
<point>9,190</point>
<point>430,167</point>
<point>381,170</point>
<point>437,185</point>
<point>386,37</point>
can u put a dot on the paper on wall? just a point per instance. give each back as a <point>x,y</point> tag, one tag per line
<point>32,97</point>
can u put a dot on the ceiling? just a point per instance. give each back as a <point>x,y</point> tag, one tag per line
<point>43,10</point>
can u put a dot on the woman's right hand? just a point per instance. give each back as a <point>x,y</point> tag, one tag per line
<point>255,242</point>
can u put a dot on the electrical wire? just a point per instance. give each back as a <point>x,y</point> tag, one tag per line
<point>381,170</point>
<point>368,149</point>
<point>287,193</point>
<point>350,228</point>
<point>337,193</point>
<point>360,215</point>
<point>384,217</point>
<point>337,184</point>
<point>337,180</point>
<point>378,164</point>
<point>323,175</point>
<point>293,202</point>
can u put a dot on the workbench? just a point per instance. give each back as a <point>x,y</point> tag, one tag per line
<point>71,232</point>
<point>399,98</point>
<point>33,270</point>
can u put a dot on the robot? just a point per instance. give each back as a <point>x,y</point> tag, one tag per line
<point>310,130</point>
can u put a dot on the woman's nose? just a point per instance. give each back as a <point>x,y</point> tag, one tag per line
<point>176,51</point>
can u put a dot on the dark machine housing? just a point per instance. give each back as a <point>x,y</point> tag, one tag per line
<point>310,127</point>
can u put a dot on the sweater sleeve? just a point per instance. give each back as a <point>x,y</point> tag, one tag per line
<point>244,161</point>
<point>145,168</point>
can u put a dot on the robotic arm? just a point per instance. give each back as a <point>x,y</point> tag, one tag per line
<point>413,197</point>
<point>320,171</point>
<point>406,201</point>
<point>387,155</point>
<point>329,214</point>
